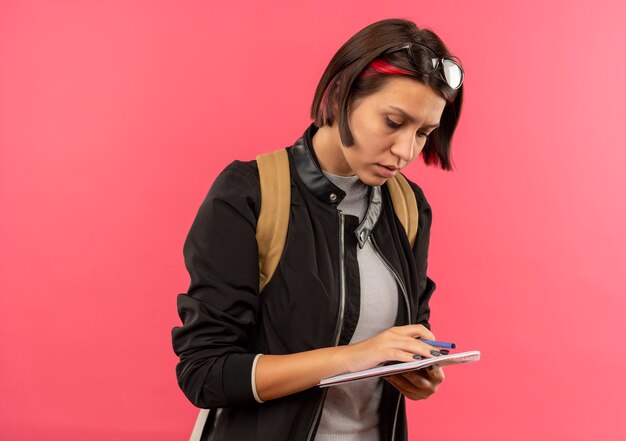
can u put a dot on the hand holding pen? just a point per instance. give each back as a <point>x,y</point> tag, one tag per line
<point>420,384</point>
<point>437,344</point>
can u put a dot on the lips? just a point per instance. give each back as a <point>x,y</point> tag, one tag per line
<point>390,167</point>
<point>388,171</point>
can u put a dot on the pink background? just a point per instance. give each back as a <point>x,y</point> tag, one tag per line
<point>115,117</point>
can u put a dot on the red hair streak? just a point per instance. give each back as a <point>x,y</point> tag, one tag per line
<point>383,67</point>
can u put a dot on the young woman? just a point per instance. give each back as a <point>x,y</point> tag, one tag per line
<point>349,292</point>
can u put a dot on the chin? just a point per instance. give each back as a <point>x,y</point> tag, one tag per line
<point>373,180</point>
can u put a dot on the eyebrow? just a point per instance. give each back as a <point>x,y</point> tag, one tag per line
<point>410,118</point>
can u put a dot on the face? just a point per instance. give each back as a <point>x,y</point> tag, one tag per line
<point>390,128</point>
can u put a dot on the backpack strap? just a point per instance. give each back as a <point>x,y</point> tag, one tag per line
<point>271,230</point>
<point>273,222</point>
<point>404,204</point>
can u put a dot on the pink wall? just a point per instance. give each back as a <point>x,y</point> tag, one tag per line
<point>115,117</point>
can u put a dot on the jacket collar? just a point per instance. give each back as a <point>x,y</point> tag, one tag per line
<point>310,173</point>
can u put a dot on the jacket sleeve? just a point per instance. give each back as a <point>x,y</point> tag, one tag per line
<point>220,307</point>
<point>420,252</point>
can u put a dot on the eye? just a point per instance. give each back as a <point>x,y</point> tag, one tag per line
<point>425,135</point>
<point>392,124</point>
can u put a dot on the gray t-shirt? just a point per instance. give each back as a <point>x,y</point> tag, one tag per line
<point>351,411</point>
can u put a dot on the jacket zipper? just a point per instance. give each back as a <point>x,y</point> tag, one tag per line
<point>397,277</point>
<point>408,309</point>
<point>342,281</point>
<point>339,324</point>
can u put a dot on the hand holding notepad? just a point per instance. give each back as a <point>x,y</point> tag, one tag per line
<point>398,368</point>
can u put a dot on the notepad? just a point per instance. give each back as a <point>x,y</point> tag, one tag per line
<point>398,368</point>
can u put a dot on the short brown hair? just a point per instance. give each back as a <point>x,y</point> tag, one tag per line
<point>342,82</point>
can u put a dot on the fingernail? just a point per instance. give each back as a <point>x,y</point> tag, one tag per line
<point>417,357</point>
<point>435,353</point>
<point>444,351</point>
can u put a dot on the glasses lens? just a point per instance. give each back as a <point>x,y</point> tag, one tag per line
<point>452,73</point>
<point>426,61</point>
<point>424,58</point>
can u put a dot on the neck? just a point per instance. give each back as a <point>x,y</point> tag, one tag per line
<point>327,146</point>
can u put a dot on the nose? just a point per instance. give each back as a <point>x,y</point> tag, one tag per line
<point>404,149</point>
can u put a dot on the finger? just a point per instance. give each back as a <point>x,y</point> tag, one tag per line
<point>414,346</point>
<point>414,391</point>
<point>407,352</point>
<point>403,385</point>
<point>419,379</point>
<point>433,373</point>
<point>426,385</point>
<point>402,346</point>
<point>413,335</point>
<point>398,382</point>
<point>436,373</point>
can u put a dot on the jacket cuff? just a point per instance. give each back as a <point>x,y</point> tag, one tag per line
<point>238,367</point>
<point>253,379</point>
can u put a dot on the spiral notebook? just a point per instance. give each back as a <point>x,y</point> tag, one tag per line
<point>398,368</point>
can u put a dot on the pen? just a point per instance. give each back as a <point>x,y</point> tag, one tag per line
<point>439,344</point>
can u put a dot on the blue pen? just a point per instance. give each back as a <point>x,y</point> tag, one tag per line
<point>439,344</point>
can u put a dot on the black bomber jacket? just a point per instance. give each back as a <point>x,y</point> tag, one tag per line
<point>312,301</point>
